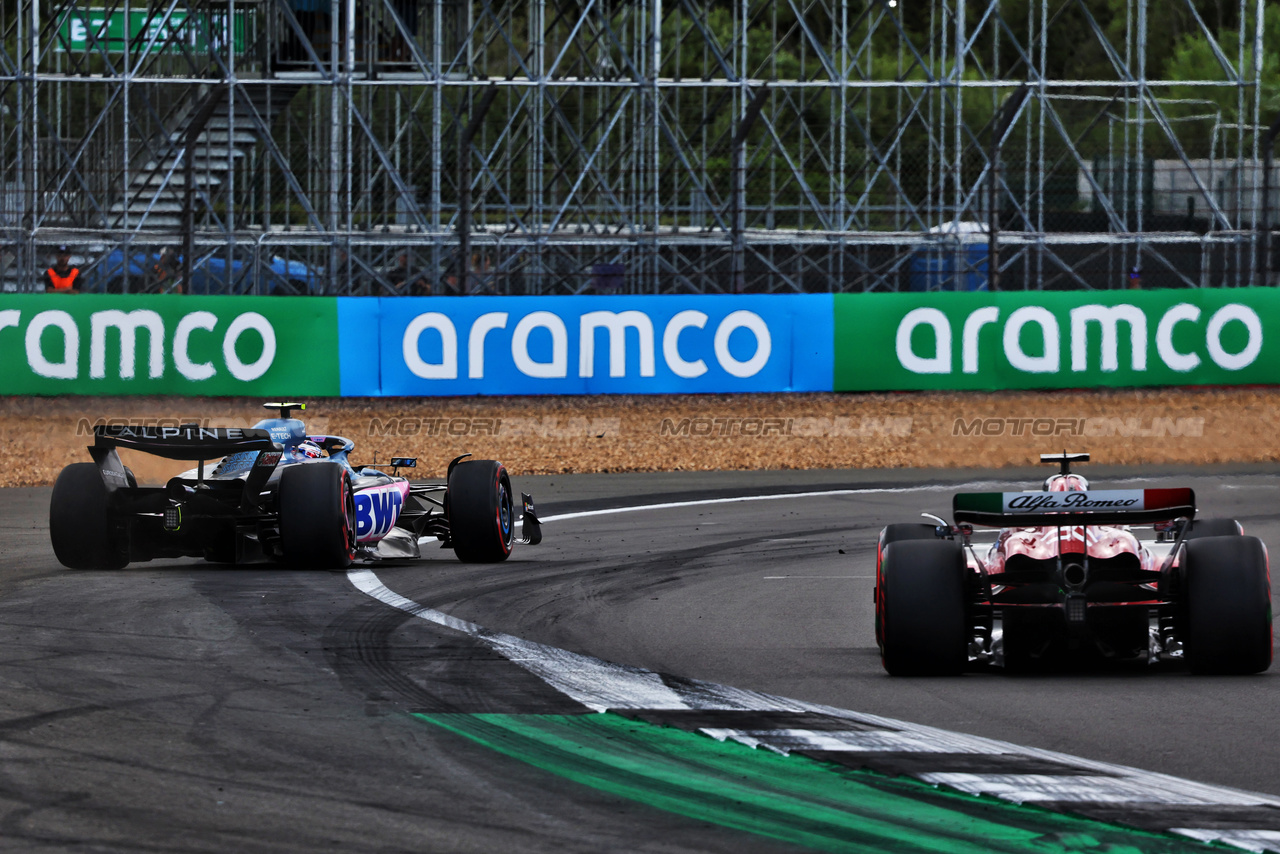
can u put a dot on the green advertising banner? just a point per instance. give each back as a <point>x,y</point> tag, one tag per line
<point>1047,339</point>
<point>81,30</point>
<point>184,345</point>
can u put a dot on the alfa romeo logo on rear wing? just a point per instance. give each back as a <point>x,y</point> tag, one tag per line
<point>1116,506</point>
<point>1040,502</point>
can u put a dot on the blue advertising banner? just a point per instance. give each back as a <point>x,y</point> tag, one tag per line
<point>414,346</point>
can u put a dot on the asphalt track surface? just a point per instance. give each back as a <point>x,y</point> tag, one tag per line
<point>175,706</point>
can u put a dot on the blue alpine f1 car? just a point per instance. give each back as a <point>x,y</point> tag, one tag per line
<point>276,493</point>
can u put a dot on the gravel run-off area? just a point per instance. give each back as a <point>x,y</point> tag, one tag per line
<point>553,435</point>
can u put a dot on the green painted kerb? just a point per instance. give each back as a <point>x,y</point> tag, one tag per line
<point>788,798</point>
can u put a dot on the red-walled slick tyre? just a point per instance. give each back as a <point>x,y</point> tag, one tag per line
<point>481,516</point>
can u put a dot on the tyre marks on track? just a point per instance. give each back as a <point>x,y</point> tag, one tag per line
<point>395,661</point>
<point>969,764</point>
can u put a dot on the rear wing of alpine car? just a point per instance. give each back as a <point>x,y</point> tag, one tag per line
<point>1097,507</point>
<point>188,442</point>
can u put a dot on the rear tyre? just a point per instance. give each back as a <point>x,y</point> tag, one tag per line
<point>1227,605</point>
<point>82,528</point>
<point>317,516</point>
<point>481,516</point>
<point>893,534</point>
<point>923,608</point>
<point>1201,528</point>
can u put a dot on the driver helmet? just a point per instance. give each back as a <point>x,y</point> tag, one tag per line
<point>307,450</point>
<point>1066,483</point>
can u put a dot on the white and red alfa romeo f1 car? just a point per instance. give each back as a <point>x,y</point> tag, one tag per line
<point>1115,574</point>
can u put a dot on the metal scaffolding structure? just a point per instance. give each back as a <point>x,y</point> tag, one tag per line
<point>633,146</point>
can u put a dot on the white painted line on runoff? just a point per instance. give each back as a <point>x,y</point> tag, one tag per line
<point>1250,840</point>
<point>594,683</point>
<point>780,496</point>
<point>1131,789</point>
<point>856,741</point>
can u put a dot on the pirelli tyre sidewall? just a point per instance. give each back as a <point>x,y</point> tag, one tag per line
<point>85,533</point>
<point>1226,605</point>
<point>924,608</point>
<point>481,511</point>
<point>317,516</point>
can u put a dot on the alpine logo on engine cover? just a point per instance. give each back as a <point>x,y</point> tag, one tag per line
<point>377,509</point>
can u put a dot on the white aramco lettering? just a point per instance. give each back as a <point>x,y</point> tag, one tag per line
<point>1081,320</point>
<point>558,367</point>
<point>1042,317</point>
<point>1181,362</point>
<point>617,324</point>
<point>194,371</point>
<point>1213,337</point>
<point>764,343</point>
<point>127,324</point>
<point>940,361</point>
<point>250,320</point>
<point>447,367</point>
<point>68,368</point>
<point>671,344</point>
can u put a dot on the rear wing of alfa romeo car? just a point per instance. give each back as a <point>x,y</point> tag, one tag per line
<point>1098,507</point>
<point>188,442</point>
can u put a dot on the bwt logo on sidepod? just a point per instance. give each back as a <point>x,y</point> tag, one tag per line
<point>377,509</point>
<point>676,343</point>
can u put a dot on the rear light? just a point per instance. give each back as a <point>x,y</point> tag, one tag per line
<point>1075,608</point>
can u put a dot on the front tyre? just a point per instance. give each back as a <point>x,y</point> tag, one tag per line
<point>1226,594</point>
<point>82,528</point>
<point>317,516</point>
<point>481,516</point>
<point>923,609</point>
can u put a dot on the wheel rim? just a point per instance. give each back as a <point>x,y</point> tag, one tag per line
<point>349,515</point>
<point>504,511</point>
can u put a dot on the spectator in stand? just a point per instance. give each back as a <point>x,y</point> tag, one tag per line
<point>479,278</point>
<point>61,277</point>
<point>405,282</point>
<point>166,273</point>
